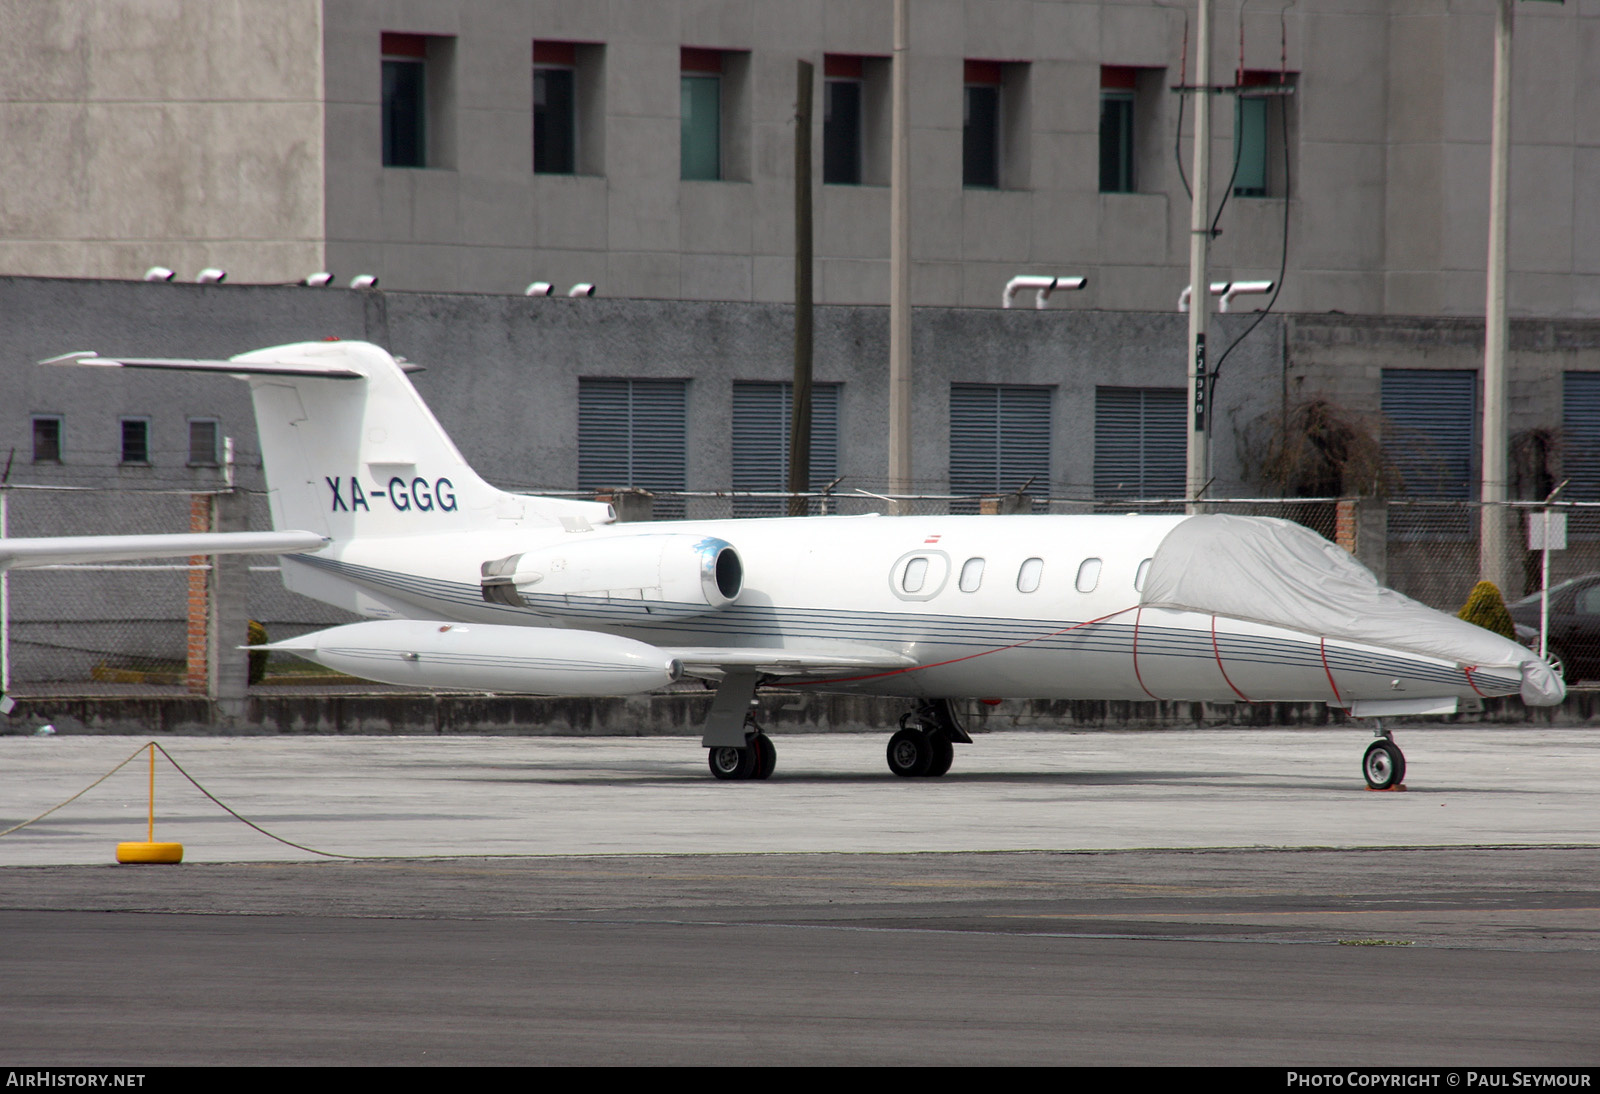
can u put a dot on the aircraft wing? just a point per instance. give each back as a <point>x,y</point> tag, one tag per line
<point>716,660</point>
<point>21,554</point>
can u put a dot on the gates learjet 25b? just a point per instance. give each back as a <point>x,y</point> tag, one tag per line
<point>468,586</point>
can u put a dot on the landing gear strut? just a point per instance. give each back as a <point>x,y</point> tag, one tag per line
<point>736,748</point>
<point>1384,765</point>
<point>758,759</point>
<point>925,744</point>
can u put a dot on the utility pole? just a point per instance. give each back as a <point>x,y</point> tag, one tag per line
<point>800,394</point>
<point>900,266</point>
<point>1199,448</point>
<point>1492,515</point>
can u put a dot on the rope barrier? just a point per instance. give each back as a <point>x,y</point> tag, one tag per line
<point>235,814</point>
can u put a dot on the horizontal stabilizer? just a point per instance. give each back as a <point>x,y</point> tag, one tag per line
<point>301,367</point>
<point>24,554</point>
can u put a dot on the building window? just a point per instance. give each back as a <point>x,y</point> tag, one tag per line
<point>568,108</point>
<point>555,111</point>
<point>1431,419</point>
<point>995,125</point>
<point>46,438</point>
<point>205,442</point>
<point>980,125</point>
<point>999,440</point>
<point>1117,87</point>
<point>634,433</point>
<point>136,440</point>
<point>1580,449</point>
<point>761,419</point>
<point>1260,116</point>
<point>841,120</point>
<point>1140,443</point>
<point>418,90</point>
<point>405,100</point>
<point>700,99</point>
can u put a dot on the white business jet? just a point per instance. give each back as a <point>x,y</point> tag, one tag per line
<point>467,586</point>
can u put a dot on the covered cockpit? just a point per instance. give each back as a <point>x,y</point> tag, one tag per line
<point>1283,574</point>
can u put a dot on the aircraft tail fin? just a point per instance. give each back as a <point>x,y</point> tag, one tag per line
<point>350,449</point>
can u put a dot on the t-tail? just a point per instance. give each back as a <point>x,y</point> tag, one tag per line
<point>351,451</point>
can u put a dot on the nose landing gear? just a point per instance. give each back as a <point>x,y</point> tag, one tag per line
<point>1384,765</point>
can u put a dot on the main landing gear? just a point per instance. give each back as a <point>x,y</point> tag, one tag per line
<point>756,760</point>
<point>735,746</point>
<point>1384,765</point>
<point>925,744</point>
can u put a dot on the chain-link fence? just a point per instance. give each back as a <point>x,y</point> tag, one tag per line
<point>128,626</point>
<point>125,626</point>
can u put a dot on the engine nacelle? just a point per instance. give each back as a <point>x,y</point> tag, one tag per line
<point>488,657</point>
<point>625,577</point>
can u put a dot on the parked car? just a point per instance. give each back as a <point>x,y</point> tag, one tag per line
<point>1574,643</point>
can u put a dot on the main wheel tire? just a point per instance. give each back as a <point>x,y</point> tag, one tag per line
<point>944,754</point>
<point>768,758</point>
<point>910,753</point>
<point>1384,765</point>
<point>728,762</point>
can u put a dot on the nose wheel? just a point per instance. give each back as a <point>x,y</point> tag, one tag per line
<point>1384,765</point>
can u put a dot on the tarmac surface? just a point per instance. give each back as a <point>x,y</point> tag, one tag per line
<point>1164,897</point>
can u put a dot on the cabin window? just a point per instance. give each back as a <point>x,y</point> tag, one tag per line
<point>1088,575</point>
<point>1028,576</point>
<point>971,575</point>
<point>1142,573</point>
<point>916,573</point>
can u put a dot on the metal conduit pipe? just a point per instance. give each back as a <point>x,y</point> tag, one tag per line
<point>1045,284</point>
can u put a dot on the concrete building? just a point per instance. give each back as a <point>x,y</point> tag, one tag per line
<point>274,138</point>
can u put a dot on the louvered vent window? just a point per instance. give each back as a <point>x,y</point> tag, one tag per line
<point>999,439</point>
<point>1580,446</point>
<point>633,433</point>
<point>761,415</point>
<point>1431,417</point>
<point>1140,442</point>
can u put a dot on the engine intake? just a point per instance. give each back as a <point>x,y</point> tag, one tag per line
<point>622,577</point>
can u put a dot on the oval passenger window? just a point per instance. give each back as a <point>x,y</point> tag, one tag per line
<point>1088,575</point>
<point>971,575</point>
<point>1028,576</point>
<point>916,573</point>
<point>1138,578</point>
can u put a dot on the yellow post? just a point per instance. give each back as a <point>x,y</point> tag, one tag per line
<point>150,850</point>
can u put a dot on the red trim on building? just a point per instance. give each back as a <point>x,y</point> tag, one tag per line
<point>842,65</point>
<point>701,60</point>
<point>555,53</point>
<point>405,45</point>
<point>1259,77</point>
<point>983,72</point>
<point>1118,78</point>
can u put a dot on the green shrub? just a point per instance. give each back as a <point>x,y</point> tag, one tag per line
<point>1487,608</point>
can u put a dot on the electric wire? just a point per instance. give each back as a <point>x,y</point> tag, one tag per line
<point>1283,265</point>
